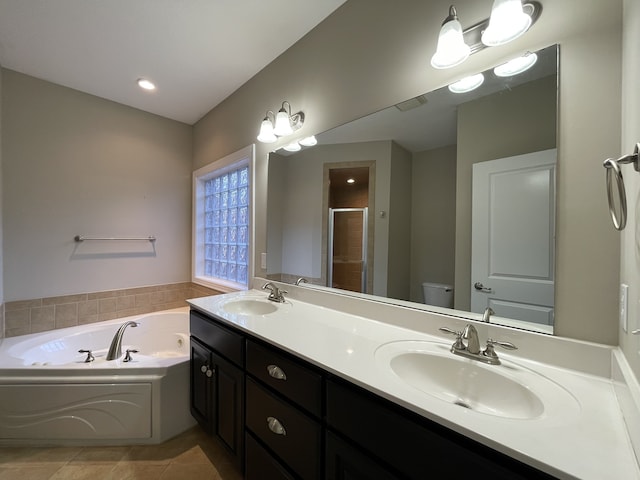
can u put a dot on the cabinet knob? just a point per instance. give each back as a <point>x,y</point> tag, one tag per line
<point>206,370</point>
<point>275,426</point>
<point>276,372</point>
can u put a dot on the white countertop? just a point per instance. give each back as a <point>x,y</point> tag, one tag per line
<point>588,440</point>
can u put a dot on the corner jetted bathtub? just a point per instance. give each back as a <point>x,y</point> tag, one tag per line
<point>49,395</point>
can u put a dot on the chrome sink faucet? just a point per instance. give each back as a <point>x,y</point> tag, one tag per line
<point>115,350</point>
<point>472,348</point>
<point>486,316</point>
<point>276,294</point>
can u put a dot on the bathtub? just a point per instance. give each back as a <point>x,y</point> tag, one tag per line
<point>49,395</point>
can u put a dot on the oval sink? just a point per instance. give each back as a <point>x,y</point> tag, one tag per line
<point>250,307</point>
<point>507,390</point>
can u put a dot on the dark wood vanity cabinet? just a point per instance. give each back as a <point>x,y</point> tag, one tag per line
<point>217,383</point>
<point>404,445</point>
<point>285,419</point>
<point>284,412</point>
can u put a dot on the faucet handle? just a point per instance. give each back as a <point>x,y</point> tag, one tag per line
<point>128,357</point>
<point>506,345</point>
<point>458,345</point>
<point>90,358</point>
<point>490,351</point>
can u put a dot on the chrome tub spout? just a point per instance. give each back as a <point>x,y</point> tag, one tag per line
<point>115,350</point>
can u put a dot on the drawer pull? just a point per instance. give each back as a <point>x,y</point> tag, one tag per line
<point>275,426</point>
<point>276,372</point>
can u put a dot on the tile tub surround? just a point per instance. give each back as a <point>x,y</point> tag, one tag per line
<point>44,314</point>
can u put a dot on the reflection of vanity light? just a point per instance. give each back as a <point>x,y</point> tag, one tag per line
<point>467,84</point>
<point>292,147</point>
<point>351,180</point>
<point>516,66</point>
<point>309,141</point>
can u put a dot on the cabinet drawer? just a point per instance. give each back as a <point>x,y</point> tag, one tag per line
<point>260,465</point>
<point>297,383</point>
<point>293,436</point>
<point>225,341</point>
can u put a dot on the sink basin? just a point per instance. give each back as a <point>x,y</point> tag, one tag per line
<point>251,306</point>
<point>506,390</point>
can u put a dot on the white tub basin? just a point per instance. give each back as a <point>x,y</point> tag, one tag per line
<point>506,390</point>
<point>250,306</point>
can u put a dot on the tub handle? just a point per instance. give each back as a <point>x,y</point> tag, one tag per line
<point>127,357</point>
<point>90,358</point>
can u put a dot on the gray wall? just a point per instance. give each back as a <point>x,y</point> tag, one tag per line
<point>77,164</point>
<point>399,218</point>
<point>296,190</point>
<point>433,218</point>
<point>345,69</point>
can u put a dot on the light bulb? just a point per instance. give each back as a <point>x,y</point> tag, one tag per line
<point>451,49</point>
<point>266,134</point>
<point>507,22</point>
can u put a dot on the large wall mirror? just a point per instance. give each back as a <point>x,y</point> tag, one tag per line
<point>446,201</point>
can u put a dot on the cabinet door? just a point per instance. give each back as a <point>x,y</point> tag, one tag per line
<point>344,462</point>
<point>227,402</point>
<point>201,384</point>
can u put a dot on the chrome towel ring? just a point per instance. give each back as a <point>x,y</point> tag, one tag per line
<point>615,183</point>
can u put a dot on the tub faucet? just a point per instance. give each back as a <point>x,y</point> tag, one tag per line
<point>115,350</point>
<point>276,294</point>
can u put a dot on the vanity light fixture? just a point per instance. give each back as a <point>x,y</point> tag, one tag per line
<point>516,66</point>
<point>146,84</point>
<point>467,84</point>
<point>509,19</point>
<point>266,134</point>
<point>284,123</point>
<point>451,49</point>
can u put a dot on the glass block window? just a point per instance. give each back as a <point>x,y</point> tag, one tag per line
<point>222,223</point>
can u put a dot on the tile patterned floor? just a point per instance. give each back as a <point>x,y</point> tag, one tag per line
<point>191,455</point>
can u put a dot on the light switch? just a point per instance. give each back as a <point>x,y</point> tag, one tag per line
<point>624,306</point>
<point>263,261</point>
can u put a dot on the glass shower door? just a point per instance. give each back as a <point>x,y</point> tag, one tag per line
<point>347,267</point>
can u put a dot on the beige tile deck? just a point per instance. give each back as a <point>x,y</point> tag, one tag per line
<point>191,455</point>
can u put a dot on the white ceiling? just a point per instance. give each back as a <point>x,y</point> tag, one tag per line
<point>197,52</point>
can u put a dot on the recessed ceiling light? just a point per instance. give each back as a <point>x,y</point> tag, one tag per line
<point>351,180</point>
<point>146,84</point>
